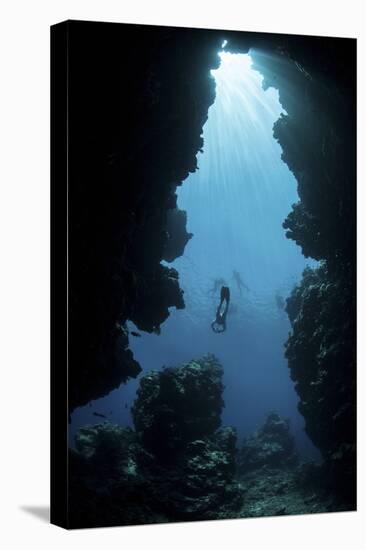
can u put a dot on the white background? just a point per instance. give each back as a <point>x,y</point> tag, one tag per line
<point>24,271</point>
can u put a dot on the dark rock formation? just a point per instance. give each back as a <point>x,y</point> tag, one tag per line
<point>178,405</point>
<point>272,446</point>
<point>278,492</point>
<point>273,480</point>
<point>318,136</point>
<point>152,300</point>
<point>321,356</point>
<point>317,87</point>
<point>139,97</point>
<point>183,471</point>
<point>107,487</point>
<point>177,237</point>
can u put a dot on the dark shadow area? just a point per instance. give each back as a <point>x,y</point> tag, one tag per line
<point>40,512</point>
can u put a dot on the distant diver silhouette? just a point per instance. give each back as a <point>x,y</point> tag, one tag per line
<point>239,281</point>
<point>219,282</point>
<point>219,323</point>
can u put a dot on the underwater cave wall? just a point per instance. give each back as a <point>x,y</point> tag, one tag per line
<point>318,138</point>
<point>139,97</point>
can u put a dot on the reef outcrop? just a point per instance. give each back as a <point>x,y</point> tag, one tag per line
<point>177,235</point>
<point>273,480</point>
<point>272,446</point>
<point>178,405</point>
<point>322,360</point>
<point>281,491</point>
<point>177,464</point>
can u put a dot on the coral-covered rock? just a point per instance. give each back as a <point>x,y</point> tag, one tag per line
<point>205,487</point>
<point>113,452</point>
<point>152,301</point>
<point>317,88</point>
<point>178,405</point>
<point>177,235</point>
<point>106,483</point>
<point>272,446</point>
<point>176,466</point>
<point>321,356</point>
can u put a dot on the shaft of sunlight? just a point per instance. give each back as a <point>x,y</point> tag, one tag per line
<point>243,191</point>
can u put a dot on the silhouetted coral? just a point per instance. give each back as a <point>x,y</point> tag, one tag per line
<point>177,235</point>
<point>317,88</point>
<point>136,121</point>
<point>177,465</point>
<point>321,357</point>
<point>177,405</point>
<point>272,446</point>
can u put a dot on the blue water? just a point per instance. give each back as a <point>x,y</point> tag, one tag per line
<point>236,203</point>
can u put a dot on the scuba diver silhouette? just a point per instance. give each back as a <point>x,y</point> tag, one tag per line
<point>239,281</point>
<point>219,323</point>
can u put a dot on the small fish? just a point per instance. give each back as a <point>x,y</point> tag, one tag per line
<point>99,414</point>
<point>137,334</point>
